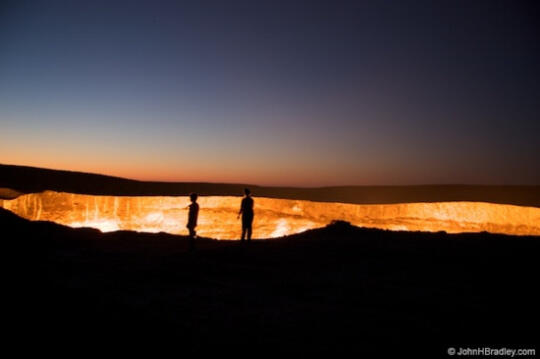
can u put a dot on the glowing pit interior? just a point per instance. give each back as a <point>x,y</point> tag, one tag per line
<point>273,217</point>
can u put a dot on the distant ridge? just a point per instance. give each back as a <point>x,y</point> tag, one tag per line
<point>32,179</point>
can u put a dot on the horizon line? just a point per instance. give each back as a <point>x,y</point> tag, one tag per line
<point>270,186</point>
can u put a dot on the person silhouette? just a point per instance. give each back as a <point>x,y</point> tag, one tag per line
<point>193,214</point>
<point>246,210</point>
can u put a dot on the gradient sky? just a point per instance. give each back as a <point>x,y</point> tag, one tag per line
<point>303,93</point>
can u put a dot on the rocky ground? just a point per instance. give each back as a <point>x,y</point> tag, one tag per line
<point>331,291</point>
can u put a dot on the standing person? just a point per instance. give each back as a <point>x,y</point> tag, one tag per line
<point>193,214</point>
<point>246,210</point>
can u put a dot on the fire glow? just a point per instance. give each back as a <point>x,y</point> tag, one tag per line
<point>273,217</point>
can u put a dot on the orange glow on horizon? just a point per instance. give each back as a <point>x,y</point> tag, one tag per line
<point>273,217</point>
<point>152,170</point>
<point>163,173</point>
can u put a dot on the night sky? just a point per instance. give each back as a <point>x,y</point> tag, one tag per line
<point>274,92</point>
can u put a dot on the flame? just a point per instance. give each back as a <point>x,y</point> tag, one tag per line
<point>273,217</point>
<point>103,225</point>
<point>281,230</point>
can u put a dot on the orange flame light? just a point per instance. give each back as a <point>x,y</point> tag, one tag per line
<point>273,217</point>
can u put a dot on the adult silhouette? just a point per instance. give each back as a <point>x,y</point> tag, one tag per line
<point>246,210</point>
<point>193,214</point>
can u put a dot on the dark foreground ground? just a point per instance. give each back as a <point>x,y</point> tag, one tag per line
<point>333,291</point>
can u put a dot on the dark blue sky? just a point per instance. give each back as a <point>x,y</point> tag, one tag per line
<point>274,92</point>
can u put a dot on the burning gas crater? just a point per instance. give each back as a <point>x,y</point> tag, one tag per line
<point>273,217</point>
